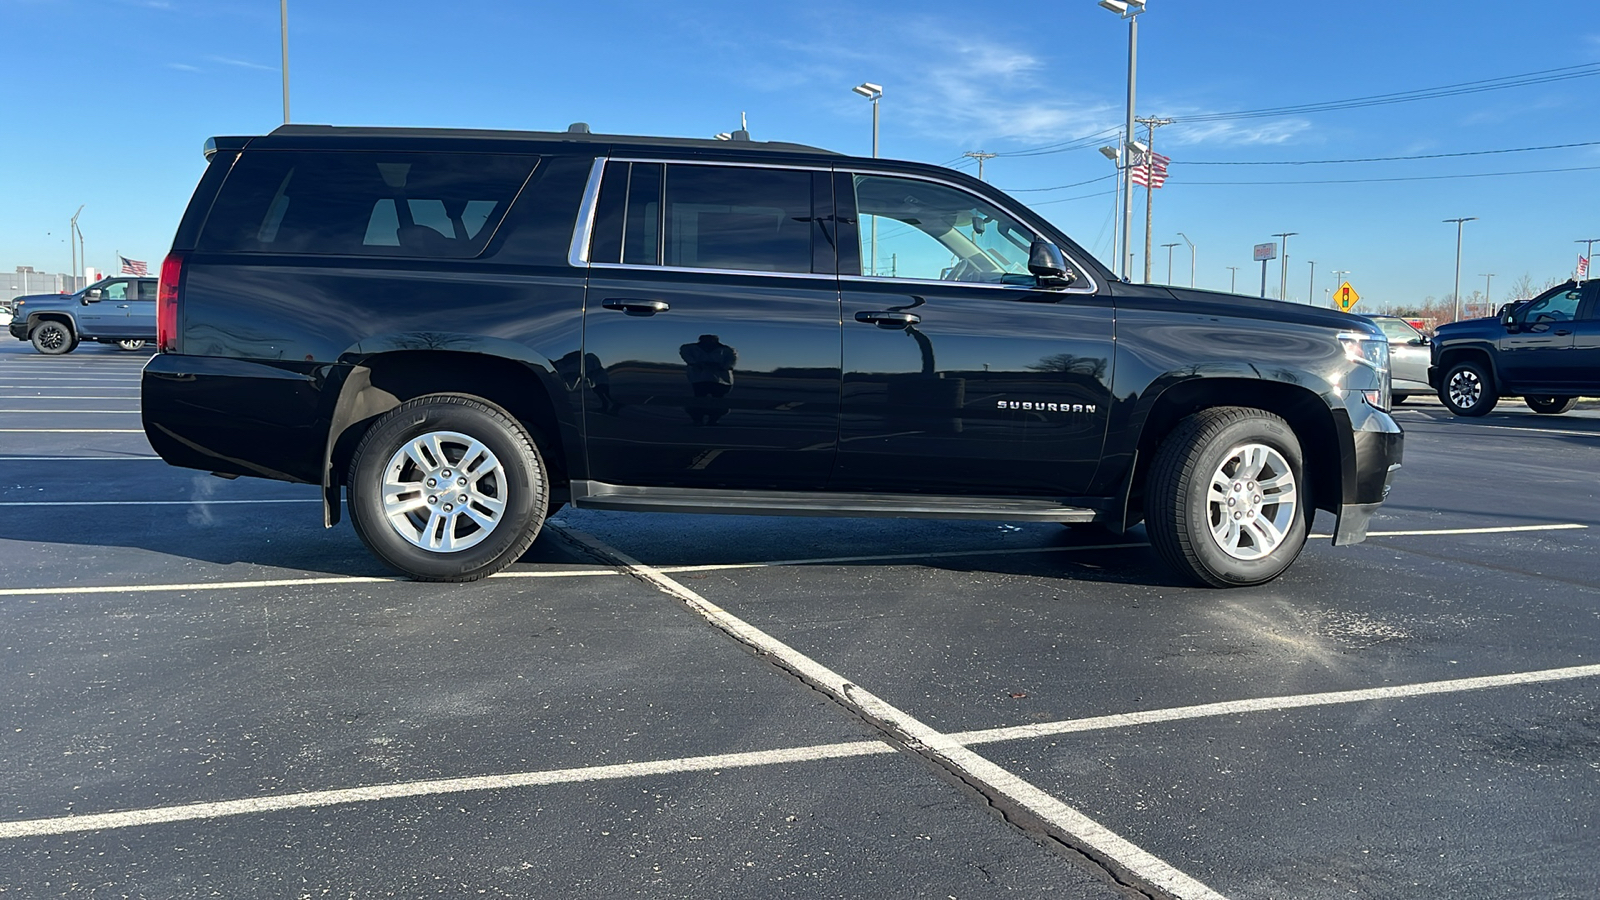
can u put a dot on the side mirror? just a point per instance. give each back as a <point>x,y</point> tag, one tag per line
<point>91,296</point>
<point>1418,342</point>
<point>1509,320</point>
<point>1048,265</point>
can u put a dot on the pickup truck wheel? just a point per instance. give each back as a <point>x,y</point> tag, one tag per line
<point>1227,503</point>
<point>1468,389</point>
<point>53,338</point>
<point>446,487</point>
<point>130,345</point>
<point>1551,406</point>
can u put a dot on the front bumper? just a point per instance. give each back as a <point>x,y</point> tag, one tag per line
<point>1371,457</point>
<point>18,329</point>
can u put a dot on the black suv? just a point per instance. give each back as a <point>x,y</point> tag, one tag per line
<point>1546,351</point>
<point>467,329</point>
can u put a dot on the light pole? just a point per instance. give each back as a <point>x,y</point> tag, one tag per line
<point>1311,286</point>
<point>1283,265</point>
<point>1169,259</point>
<point>1459,223</point>
<point>1488,279</point>
<point>1129,10</point>
<point>72,239</point>
<point>1191,258</point>
<point>1233,279</point>
<point>873,92</point>
<point>1115,155</point>
<point>283,25</point>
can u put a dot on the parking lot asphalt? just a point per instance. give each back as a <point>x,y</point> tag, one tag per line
<point>211,695</point>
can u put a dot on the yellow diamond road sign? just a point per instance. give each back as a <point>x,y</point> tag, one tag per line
<point>1346,297</point>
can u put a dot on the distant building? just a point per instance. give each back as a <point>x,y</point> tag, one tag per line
<point>26,281</point>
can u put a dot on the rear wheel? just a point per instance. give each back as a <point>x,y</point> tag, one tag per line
<point>130,344</point>
<point>1468,389</point>
<point>1551,406</point>
<point>446,487</point>
<point>53,338</point>
<point>1226,503</point>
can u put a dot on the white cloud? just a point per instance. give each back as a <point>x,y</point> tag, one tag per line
<point>243,64</point>
<point>1257,132</point>
<point>183,67</point>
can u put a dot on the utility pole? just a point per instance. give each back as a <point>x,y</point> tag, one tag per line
<point>1311,287</point>
<point>1283,265</point>
<point>980,156</point>
<point>1488,279</point>
<point>1459,223</point>
<point>1233,280</point>
<point>1169,261</point>
<point>283,23</point>
<point>1150,126</point>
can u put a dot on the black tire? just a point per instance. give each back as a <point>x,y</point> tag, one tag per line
<point>519,482</point>
<point>131,344</point>
<point>1178,514</point>
<point>1551,406</point>
<point>1467,389</point>
<point>53,338</point>
<point>1398,399</point>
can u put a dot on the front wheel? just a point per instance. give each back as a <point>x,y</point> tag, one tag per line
<point>1468,389</point>
<point>53,338</point>
<point>446,487</point>
<point>1551,406</point>
<point>1226,502</point>
<point>130,344</point>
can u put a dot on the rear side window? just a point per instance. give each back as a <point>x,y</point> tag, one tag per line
<point>431,205</point>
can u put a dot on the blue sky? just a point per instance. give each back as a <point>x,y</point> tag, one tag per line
<point>108,102</point>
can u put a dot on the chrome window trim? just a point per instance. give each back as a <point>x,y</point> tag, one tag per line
<point>1093,286</point>
<point>578,252</point>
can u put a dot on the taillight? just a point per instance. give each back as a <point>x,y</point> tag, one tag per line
<point>167,303</point>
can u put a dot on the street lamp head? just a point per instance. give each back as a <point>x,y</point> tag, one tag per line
<point>1111,153</point>
<point>1124,8</point>
<point>869,90</point>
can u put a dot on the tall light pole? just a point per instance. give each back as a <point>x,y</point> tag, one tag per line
<point>72,239</point>
<point>873,92</point>
<point>1488,279</point>
<point>1311,286</point>
<point>1129,10</point>
<point>1233,280</point>
<point>283,26</point>
<point>1169,259</point>
<point>1283,265</point>
<point>1191,257</point>
<point>1115,155</point>
<point>1459,223</point>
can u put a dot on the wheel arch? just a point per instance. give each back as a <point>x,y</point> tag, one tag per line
<point>382,381</point>
<point>1307,413</point>
<point>1469,353</point>
<point>65,318</point>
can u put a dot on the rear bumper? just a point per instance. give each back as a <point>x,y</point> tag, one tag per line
<point>266,419</point>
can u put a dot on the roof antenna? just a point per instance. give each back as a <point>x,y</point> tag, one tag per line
<point>578,128</point>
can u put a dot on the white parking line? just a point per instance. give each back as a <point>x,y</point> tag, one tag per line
<point>401,790</point>
<point>1477,425</point>
<point>1070,825</point>
<point>275,582</point>
<point>71,431</point>
<point>4,459</point>
<point>118,412</point>
<point>58,397</point>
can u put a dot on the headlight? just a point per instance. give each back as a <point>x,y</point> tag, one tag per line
<point>1370,351</point>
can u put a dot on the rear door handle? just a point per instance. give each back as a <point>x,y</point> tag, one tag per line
<point>888,318</point>
<point>636,307</point>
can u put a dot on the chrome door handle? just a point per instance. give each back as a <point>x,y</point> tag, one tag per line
<point>636,307</point>
<point>888,318</point>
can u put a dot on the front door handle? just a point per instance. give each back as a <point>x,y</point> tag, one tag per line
<point>1563,333</point>
<point>636,307</point>
<point>888,318</point>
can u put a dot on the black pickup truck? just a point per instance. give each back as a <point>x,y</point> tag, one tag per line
<point>465,329</point>
<point>1545,350</point>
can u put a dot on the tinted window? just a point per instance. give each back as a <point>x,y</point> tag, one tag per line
<point>727,217</point>
<point>147,290</point>
<point>1561,306</point>
<point>382,204</point>
<point>116,290</point>
<point>918,229</point>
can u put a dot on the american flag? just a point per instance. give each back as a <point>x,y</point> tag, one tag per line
<point>133,266</point>
<point>1583,266</point>
<point>1150,170</point>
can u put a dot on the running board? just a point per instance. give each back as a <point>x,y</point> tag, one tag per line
<point>600,495</point>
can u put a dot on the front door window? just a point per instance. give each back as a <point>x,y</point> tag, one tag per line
<point>933,232</point>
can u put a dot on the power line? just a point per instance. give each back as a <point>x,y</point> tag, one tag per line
<point>1070,199</point>
<point>1406,178</point>
<point>1319,162</point>
<point>1060,187</point>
